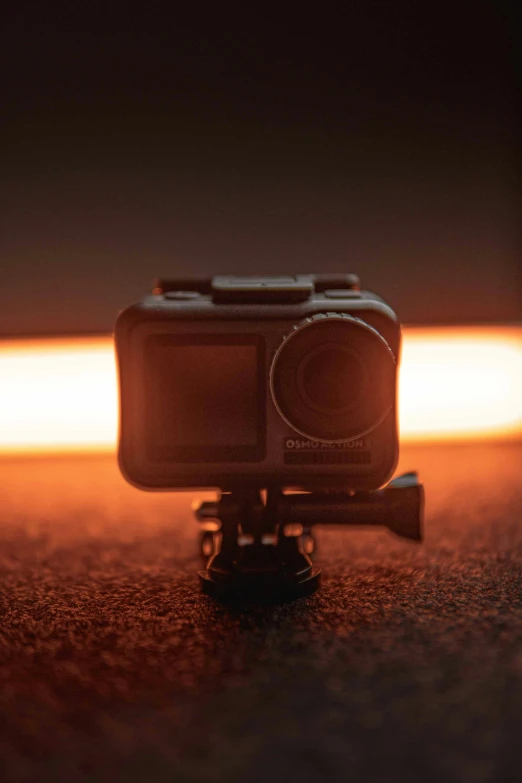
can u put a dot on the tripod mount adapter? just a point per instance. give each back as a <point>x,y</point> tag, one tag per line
<point>259,542</point>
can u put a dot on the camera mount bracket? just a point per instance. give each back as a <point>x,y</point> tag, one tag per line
<point>259,541</point>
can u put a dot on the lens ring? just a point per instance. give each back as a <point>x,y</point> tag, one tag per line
<point>356,348</point>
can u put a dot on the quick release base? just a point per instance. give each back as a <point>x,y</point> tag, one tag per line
<point>259,542</point>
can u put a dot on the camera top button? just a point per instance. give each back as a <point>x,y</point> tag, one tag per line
<point>262,289</point>
<point>342,293</point>
<point>348,282</point>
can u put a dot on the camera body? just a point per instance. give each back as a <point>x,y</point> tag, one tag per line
<point>258,382</point>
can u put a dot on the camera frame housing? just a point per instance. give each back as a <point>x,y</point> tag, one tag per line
<point>259,312</point>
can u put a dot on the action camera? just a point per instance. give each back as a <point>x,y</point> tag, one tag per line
<point>259,382</point>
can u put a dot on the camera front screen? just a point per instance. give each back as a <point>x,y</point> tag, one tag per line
<point>204,398</point>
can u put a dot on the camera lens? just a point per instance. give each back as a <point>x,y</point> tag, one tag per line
<point>330,378</point>
<point>333,378</point>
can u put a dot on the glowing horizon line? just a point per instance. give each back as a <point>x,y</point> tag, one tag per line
<point>456,383</point>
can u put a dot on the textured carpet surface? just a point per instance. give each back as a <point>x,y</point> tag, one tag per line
<point>406,666</point>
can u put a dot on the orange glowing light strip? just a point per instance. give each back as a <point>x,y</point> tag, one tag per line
<point>58,395</point>
<point>461,383</point>
<point>455,384</point>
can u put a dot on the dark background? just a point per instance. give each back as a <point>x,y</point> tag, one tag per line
<point>375,137</point>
